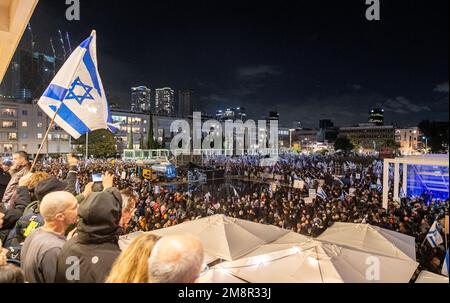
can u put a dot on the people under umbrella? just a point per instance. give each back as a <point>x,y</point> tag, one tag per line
<point>57,225</point>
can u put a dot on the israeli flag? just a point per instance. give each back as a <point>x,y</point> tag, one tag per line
<point>434,236</point>
<point>77,93</point>
<point>342,197</point>
<point>339,181</point>
<point>321,193</point>
<point>445,267</point>
<point>379,185</point>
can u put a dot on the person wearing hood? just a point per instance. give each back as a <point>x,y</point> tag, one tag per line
<point>88,257</point>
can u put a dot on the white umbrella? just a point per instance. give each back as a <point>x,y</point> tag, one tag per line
<point>285,242</point>
<point>317,262</point>
<point>125,241</point>
<point>219,276</point>
<point>427,277</point>
<point>371,239</point>
<point>226,238</point>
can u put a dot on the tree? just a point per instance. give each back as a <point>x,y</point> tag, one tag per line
<point>131,138</point>
<point>343,144</point>
<point>151,144</point>
<point>102,144</point>
<point>141,142</point>
<point>436,135</point>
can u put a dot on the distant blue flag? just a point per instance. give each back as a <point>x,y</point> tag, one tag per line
<point>77,91</point>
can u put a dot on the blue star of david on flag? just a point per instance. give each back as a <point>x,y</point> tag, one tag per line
<point>72,93</point>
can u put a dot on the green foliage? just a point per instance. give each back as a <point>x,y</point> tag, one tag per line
<point>343,144</point>
<point>102,143</point>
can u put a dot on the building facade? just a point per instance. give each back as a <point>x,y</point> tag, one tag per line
<point>409,139</point>
<point>141,99</point>
<point>22,127</point>
<point>185,103</point>
<point>233,114</point>
<point>164,102</point>
<point>376,116</point>
<point>368,136</point>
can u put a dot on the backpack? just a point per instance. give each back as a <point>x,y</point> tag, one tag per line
<point>30,221</point>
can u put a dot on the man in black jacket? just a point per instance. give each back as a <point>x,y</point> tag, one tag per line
<point>5,177</point>
<point>89,255</point>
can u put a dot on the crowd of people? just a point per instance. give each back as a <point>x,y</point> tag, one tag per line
<point>59,226</point>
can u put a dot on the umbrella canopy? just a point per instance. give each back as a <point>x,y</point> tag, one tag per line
<point>285,242</point>
<point>317,262</point>
<point>226,238</point>
<point>219,276</point>
<point>371,239</point>
<point>125,241</point>
<point>427,277</point>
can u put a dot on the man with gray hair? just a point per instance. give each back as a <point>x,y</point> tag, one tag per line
<point>176,259</point>
<point>40,251</point>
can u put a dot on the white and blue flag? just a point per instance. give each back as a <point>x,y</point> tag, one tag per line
<point>445,267</point>
<point>379,185</point>
<point>78,92</point>
<point>321,193</point>
<point>434,235</point>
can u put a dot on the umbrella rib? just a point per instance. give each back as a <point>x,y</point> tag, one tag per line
<point>318,264</point>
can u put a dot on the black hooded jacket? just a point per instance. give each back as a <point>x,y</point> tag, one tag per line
<point>95,246</point>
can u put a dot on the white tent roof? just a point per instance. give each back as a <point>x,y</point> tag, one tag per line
<point>226,238</point>
<point>219,276</point>
<point>124,241</point>
<point>285,242</point>
<point>427,277</point>
<point>316,262</point>
<point>371,239</point>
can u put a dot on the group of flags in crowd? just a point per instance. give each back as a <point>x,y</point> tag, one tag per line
<point>435,239</point>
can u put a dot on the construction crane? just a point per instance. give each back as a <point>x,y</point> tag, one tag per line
<point>62,44</point>
<point>68,42</point>
<point>32,38</point>
<point>54,56</point>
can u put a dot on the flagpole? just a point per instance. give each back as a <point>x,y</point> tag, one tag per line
<point>87,146</point>
<point>45,138</point>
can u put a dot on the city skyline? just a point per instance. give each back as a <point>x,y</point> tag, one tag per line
<point>307,61</point>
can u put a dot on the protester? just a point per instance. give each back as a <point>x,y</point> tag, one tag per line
<point>20,168</point>
<point>95,246</point>
<point>132,264</point>
<point>11,274</point>
<point>41,248</point>
<point>252,193</point>
<point>176,259</point>
<point>24,216</point>
<point>5,177</point>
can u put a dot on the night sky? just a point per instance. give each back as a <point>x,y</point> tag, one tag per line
<point>308,60</point>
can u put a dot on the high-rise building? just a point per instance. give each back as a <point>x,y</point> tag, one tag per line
<point>324,124</point>
<point>376,116</point>
<point>29,74</point>
<point>297,125</point>
<point>273,116</point>
<point>164,102</point>
<point>232,114</point>
<point>185,103</point>
<point>140,99</point>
